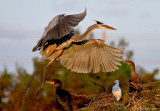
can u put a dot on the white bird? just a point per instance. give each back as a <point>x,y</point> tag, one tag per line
<point>116,90</point>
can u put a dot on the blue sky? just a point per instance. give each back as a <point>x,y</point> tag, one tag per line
<point>22,24</point>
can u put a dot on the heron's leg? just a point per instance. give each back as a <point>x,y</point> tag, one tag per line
<point>50,49</point>
<point>58,53</point>
<point>28,85</point>
<point>48,53</point>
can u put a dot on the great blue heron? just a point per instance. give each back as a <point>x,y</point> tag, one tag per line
<point>73,51</point>
<point>134,79</point>
<point>116,90</point>
<point>63,97</point>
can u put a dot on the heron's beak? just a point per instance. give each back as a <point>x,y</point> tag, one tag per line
<point>109,27</point>
<point>50,82</point>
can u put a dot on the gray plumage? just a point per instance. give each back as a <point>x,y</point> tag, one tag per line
<point>60,26</point>
<point>58,42</point>
<point>90,56</point>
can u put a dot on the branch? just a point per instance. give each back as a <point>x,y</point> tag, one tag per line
<point>99,85</point>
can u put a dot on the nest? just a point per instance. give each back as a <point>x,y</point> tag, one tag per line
<point>147,99</point>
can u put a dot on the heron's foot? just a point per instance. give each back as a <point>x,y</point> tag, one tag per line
<point>39,91</point>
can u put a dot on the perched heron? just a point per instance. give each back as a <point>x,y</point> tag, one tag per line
<point>59,42</point>
<point>116,90</point>
<point>134,78</point>
<point>63,97</point>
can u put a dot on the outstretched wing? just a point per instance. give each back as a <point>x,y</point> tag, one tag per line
<point>61,25</point>
<point>91,56</point>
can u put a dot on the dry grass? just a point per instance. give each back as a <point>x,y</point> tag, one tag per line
<point>147,99</point>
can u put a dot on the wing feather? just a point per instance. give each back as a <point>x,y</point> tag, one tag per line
<point>91,56</point>
<point>113,60</point>
<point>61,25</point>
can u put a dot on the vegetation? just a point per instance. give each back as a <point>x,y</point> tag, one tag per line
<point>12,86</point>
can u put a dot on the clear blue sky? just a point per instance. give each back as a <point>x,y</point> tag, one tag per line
<point>22,24</point>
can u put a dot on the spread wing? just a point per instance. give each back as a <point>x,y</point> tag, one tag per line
<point>91,56</point>
<point>60,26</point>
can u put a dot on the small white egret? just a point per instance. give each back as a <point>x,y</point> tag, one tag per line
<point>116,90</point>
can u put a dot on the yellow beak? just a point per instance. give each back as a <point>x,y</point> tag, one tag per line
<point>109,27</point>
<point>49,82</point>
<point>127,63</point>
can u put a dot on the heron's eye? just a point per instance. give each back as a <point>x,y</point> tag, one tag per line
<point>46,43</point>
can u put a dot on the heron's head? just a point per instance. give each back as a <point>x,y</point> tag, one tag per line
<point>130,63</point>
<point>101,25</point>
<point>116,81</point>
<point>56,82</point>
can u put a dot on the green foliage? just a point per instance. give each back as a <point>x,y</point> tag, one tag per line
<point>5,79</point>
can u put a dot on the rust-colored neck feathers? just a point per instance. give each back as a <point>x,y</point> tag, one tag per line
<point>132,66</point>
<point>134,76</point>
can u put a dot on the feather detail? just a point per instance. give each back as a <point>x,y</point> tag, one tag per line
<point>91,56</point>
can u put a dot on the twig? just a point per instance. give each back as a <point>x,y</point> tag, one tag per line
<point>99,85</point>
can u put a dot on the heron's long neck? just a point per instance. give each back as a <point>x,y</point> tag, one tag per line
<point>77,38</point>
<point>117,84</point>
<point>132,69</point>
